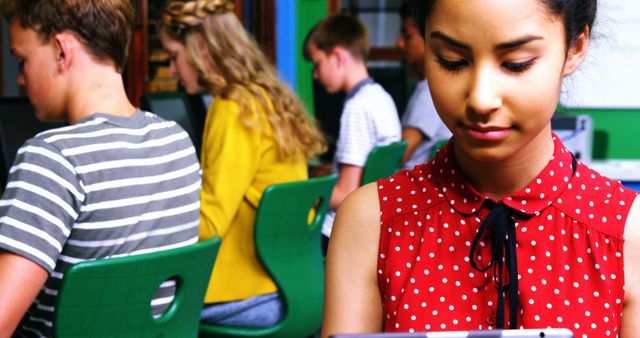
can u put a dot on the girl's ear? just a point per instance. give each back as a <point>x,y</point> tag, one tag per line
<point>577,52</point>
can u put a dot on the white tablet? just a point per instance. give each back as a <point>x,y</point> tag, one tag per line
<point>528,333</point>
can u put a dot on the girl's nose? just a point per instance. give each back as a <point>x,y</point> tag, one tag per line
<point>484,93</point>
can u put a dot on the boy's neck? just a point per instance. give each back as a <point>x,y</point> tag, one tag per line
<point>100,90</point>
<point>357,74</point>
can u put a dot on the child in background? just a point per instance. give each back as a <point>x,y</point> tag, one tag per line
<point>422,128</point>
<point>338,46</point>
<point>504,228</point>
<point>256,134</point>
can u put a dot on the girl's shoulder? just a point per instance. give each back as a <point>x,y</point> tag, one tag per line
<point>409,191</point>
<point>597,201</point>
<point>244,94</point>
<point>246,103</point>
<point>632,226</point>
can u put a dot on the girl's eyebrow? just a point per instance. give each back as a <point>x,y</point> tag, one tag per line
<point>449,40</point>
<point>518,42</point>
<point>501,46</point>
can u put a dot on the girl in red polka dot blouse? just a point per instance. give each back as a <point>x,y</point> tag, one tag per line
<point>504,228</point>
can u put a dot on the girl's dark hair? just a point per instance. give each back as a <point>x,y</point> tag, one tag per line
<point>576,14</point>
<point>416,10</point>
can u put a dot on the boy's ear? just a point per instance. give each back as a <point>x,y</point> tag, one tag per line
<point>64,45</point>
<point>341,54</point>
<point>577,52</point>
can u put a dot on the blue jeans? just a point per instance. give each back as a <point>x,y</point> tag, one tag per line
<point>259,311</point>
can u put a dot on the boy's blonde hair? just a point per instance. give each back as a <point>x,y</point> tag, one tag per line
<point>102,26</point>
<point>216,40</point>
<point>339,30</point>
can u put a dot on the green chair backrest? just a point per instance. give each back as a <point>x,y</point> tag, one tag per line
<point>287,237</point>
<point>111,297</point>
<point>437,146</point>
<point>383,161</point>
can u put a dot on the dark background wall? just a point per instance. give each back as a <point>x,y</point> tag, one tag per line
<point>8,66</point>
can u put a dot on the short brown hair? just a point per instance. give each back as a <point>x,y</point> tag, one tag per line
<point>103,26</point>
<point>339,30</point>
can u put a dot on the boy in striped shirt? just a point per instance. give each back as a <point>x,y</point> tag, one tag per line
<point>117,181</point>
<point>338,46</point>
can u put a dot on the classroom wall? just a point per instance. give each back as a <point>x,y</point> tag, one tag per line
<point>615,131</point>
<point>294,19</point>
<point>609,77</point>
<point>606,86</point>
<point>9,65</point>
<point>309,12</point>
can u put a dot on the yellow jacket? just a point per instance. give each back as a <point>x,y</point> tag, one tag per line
<point>238,163</point>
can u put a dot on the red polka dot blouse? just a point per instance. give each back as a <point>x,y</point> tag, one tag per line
<point>568,227</point>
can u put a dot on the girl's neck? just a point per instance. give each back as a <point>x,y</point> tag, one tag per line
<point>497,179</point>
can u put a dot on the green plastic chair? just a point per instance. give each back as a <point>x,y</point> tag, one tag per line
<point>437,146</point>
<point>383,161</point>
<point>111,297</point>
<point>289,248</point>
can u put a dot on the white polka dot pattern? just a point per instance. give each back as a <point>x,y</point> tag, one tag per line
<point>569,247</point>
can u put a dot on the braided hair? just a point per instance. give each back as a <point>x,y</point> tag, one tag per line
<point>231,65</point>
<point>179,15</point>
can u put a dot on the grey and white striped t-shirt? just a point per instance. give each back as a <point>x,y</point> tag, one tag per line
<point>107,186</point>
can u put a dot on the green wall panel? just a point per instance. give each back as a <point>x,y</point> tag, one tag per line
<point>309,12</point>
<point>616,131</point>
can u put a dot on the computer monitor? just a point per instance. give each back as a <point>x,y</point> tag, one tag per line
<point>18,123</point>
<point>175,107</point>
<point>576,132</point>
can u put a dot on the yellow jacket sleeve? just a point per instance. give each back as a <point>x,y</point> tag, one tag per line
<point>229,163</point>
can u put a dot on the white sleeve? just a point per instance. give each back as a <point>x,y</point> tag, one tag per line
<point>421,113</point>
<point>356,137</point>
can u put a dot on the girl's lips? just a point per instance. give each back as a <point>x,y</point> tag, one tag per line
<point>488,133</point>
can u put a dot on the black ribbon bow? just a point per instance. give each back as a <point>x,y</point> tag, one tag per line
<point>503,238</point>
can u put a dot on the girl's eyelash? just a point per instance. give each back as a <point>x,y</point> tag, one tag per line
<point>452,66</point>
<point>518,67</point>
<point>455,66</point>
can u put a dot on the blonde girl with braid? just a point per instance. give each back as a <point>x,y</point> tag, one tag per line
<point>256,134</point>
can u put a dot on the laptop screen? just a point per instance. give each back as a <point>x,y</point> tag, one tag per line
<point>529,333</point>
